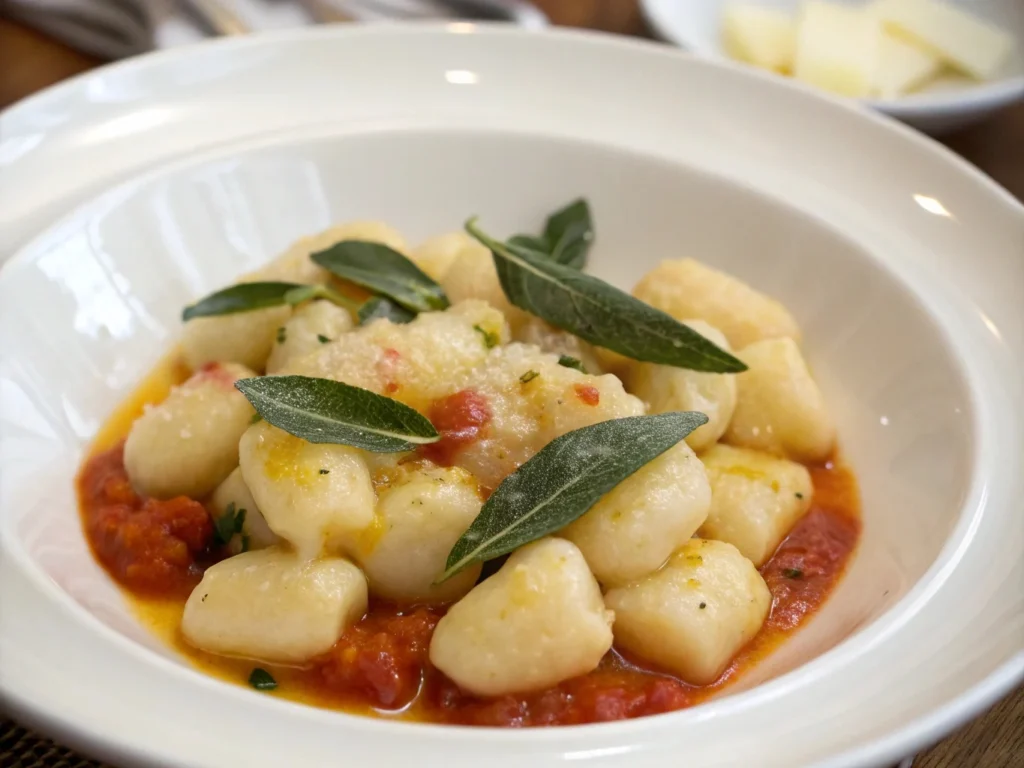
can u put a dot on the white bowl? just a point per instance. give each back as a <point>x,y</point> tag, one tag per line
<point>945,105</point>
<point>901,262</point>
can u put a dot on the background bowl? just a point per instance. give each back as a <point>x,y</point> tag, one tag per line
<point>916,347</point>
<point>945,105</point>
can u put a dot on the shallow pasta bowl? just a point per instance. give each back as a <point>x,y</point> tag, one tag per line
<point>149,183</point>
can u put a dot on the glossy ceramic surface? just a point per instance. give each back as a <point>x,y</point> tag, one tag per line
<point>949,103</point>
<point>901,263</point>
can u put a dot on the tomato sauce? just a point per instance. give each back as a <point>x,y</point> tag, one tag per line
<point>460,418</point>
<point>157,550</point>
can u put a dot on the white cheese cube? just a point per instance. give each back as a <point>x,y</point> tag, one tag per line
<point>536,622</point>
<point>695,614</point>
<point>758,35</point>
<point>779,408</point>
<point>964,41</point>
<point>903,67</point>
<point>837,48</point>
<point>274,606</point>
<point>755,499</point>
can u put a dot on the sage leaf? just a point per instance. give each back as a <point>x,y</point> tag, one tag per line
<point>565,479</point>
<point>262,680</point>
<point>243,297</point>
<point>378,307</point>
<point>598,312</point>
<point>246,297</point>
<point>385,271</point>
<point>568,234</point>
<point>228,524</point>
<point>568,361</point>
<point>326,411</point>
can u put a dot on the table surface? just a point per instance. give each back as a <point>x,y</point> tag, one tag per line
<point>31,62</point>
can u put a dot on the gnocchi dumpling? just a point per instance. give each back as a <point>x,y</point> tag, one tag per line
<point>296,266</point>
<point>273,605</point>
<point>666,388</point>
<point>472,275</point>
<point>755,499</point>
<point>188,444</point>
<point>422,510</point>
<point>310,327</point>
<point>245,338</point>
<point>636,526</point>
<point>233,497</point>
<point>539,620</point>
<point>414,363</point>
<point>531,400</point>
<point>555,341</point>
<point>688,289</point>
<point>317,497</point>
<point>779,408</point>
<point>436,255</point>
<point>695,614</point>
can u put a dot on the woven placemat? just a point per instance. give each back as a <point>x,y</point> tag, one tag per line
<point>21,748</point>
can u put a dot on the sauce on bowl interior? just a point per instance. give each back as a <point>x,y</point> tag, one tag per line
<point>380,665</point>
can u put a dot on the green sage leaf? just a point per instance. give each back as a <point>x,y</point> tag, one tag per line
<point>262,680</point>
<point>247,297</point>
<point>568,234</point>
<point>385,271</point>
<point>565,479</point>
<point>326,411</point>
<point>600,313</point>
<point>377,307</point>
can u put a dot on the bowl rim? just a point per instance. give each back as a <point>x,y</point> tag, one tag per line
<point>913,734</point>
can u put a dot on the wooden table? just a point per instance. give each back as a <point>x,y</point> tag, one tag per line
<point>29,62</point>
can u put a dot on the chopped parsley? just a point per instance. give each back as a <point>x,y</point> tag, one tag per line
<point>325,471</point>
<point>245,542</point>
<point>798,495</point>
<point>568,361</point>
<point>228,524</point>
<point>322,339</point>
<point>255,418</point>
<point>282,334</point>
<point>792,573</point>
<point>491,339</point>
<point>528,376</point>
<point>262,680</point>
<point>703,605</point>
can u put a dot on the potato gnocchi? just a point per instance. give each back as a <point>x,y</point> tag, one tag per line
<point>368,532</point>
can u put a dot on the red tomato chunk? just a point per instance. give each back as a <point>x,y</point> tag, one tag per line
<point>460,418</point>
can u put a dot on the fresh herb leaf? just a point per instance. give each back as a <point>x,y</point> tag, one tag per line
<point>282,334</point>
<point>324,471</point>
<point>378,307</point>
<point>491,339</point>
<point>798,495</point>
<point>702,605</point>
<point>262,680</point>
<point>571,362</point>
<point>243,297</point>
<point>228,524</point>
<point>792,573</point>
<point>322,339</point>
<point>600,313</point>
<point>567,236</point>
<point>326,411</point>
<point>385,271</point>
<point>565,479</point>
<point>246,297</point>
<point>529,376</point>
<point>570,231</point>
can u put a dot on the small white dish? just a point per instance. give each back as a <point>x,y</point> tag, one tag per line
<point>945,105</point>
<point>145,184</point>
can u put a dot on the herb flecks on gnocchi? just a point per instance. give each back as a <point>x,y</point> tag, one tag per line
<point>437,499</point>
